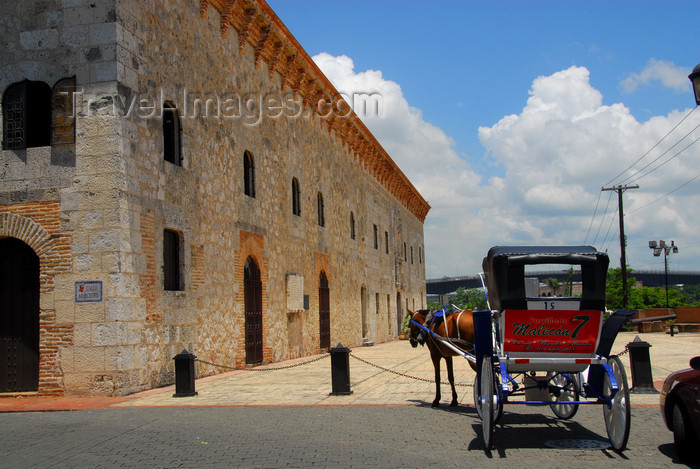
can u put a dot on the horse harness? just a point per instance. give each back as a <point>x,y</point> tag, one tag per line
<point>433,320</point>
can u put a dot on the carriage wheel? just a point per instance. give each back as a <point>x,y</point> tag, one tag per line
<point>568,392</point>
<point>617,414</point>
<point>486,396</point>
<point>499,405</point>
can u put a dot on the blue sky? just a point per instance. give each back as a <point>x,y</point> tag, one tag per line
<point>548,83</point>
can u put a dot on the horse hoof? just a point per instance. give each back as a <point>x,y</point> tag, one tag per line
<point>435,404</point>
<point>454,404</point>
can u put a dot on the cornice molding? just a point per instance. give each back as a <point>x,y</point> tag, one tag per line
<point>258,25</point>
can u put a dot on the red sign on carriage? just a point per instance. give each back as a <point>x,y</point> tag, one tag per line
<point>561,331</point>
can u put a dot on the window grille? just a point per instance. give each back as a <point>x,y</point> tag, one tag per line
<point>26,115</point>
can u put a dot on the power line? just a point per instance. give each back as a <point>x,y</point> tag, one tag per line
<point>659,157</point>
<point>655,145</point>
<point>590,225</point>
<point>666,194</point>
<point>612,220</point>
<point>602,220</point>
<point>674,156</point>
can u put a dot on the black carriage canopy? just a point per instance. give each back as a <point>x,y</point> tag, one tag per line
<point>504,268</point>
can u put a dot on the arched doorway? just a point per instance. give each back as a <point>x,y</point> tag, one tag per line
<point>253,312</point>
<point>324,311</point>
<point>19,317</point>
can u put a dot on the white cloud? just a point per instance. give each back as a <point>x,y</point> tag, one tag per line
<point>667,73</point>
<point>557,153</point>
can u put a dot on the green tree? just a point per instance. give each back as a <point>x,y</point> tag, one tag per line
<point>639,297</point>
<point>613,290</point>
<point>690,294</point>
<point>469,298</point>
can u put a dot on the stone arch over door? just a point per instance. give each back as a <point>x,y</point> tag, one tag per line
<point>52,248</point>
<point>251,246</point>
<point>19,317</point>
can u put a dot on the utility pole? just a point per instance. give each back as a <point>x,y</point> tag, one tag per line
<point>623,242</point>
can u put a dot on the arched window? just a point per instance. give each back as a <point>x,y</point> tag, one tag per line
<point>352,225</point>
<point>296,197</point>
<point>171,134</point>
<point>26,113</point>
<point>320,209</point>
<point>249,174</point>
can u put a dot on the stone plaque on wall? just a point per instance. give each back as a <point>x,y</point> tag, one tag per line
<point>88,292</point>
<point>295,292</point>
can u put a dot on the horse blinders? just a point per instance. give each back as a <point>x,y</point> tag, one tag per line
<point>417,337</point>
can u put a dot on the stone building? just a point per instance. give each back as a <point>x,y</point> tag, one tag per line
<point>180,174</point>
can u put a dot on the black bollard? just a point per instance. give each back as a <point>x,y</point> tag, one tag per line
<point>640,364</point>
<point>184,374</point>
<point>340,370</point>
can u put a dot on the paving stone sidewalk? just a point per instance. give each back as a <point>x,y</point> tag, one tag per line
<point>310,384</point>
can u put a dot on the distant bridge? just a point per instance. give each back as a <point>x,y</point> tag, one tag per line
<point>649,278</point>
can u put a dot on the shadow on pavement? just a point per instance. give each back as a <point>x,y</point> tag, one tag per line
<point>669,450</point>
<point>531,431</point>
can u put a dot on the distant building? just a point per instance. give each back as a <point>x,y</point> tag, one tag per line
<point>178,174</point>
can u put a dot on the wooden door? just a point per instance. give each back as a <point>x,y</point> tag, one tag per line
<point>19,317</point>
<point>253,313</point>
<point>324,311</point>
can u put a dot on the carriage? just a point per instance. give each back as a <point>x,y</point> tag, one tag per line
<point>549,350</point>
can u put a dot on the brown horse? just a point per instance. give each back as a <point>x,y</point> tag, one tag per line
<point>459,328</point>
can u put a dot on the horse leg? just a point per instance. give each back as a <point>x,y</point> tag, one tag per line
<point>436,366</point>
<point>451,379</point>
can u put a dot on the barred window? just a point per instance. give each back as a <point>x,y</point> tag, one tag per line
<point>26,107</point>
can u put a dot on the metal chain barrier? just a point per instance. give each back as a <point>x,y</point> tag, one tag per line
<point>286,367</point>
<point>313,360</point>
<point>624,352</point>
<point>404,374</point>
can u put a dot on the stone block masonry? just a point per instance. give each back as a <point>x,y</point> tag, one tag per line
<point>99,210</point>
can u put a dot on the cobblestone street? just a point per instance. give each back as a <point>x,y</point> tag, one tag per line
<point>320,436</point>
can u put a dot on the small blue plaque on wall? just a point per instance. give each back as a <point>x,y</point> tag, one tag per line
<point>88,292</point>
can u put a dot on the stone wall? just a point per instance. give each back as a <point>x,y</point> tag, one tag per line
<point>112,195</point>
